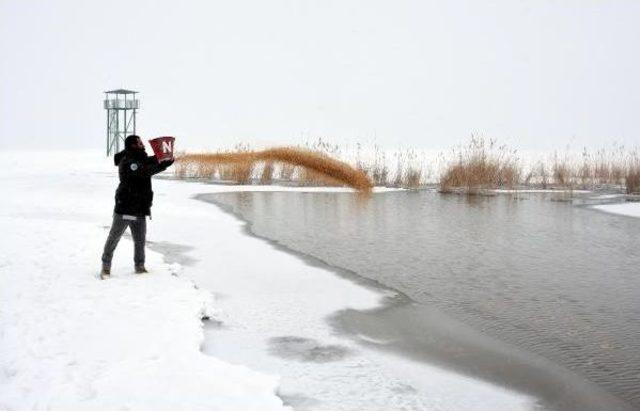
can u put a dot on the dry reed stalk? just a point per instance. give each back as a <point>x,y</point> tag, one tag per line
<point>543,174</point>
<point>241,172</point>
<point>181,170</point>
<point>632,179</point>
<point>267,173</point>
<point>413,176</point>
<point>380,174</point>
<point>319,164</point>
<point>508,175</point>
<point>287,171</point>
<point>398,178</point>
<point>313,178</point>
<point>379,171</point>
<point>482,165</point>
<point>561,172</point>
<point>413,173</point>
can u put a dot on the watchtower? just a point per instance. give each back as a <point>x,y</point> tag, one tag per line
<point>121,106</point>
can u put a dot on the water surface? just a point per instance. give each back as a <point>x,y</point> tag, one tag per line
<point>556,283</point>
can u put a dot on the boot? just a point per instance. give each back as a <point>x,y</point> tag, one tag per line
<point>105,273</point>
<point>140,269</point>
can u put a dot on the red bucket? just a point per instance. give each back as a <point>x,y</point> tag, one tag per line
<point>163,147</point>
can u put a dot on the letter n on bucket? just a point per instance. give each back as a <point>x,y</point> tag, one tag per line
<point>163,147</point>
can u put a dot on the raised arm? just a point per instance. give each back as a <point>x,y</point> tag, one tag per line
<point>143,167</point>
<point>156,166</point>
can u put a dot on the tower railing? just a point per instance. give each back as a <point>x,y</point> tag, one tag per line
<point>121,104</point>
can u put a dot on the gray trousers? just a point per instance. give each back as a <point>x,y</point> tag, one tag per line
<point>138,232</point>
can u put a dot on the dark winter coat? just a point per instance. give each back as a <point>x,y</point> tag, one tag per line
<point>134,195</point>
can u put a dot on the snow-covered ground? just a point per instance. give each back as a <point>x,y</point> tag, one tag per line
<point>70,341</point>
<point>631,209</point>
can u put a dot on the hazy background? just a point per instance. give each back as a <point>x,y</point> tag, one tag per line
<point>536,74</point>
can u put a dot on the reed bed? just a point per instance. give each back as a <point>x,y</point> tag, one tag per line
<point>373,163</point>
<point>481,165</point>
<point>632,178</point>
<point>477,165</point>
<point>612,168</point>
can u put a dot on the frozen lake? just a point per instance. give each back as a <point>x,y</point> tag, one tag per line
<point>515,291</point>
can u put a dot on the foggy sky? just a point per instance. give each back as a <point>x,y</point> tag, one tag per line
<point>536,74</point>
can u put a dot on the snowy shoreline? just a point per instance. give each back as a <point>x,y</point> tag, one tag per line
<point>70,341</point>
<point>276,308</point>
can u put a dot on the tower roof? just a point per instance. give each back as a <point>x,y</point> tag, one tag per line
<point>121,91</point>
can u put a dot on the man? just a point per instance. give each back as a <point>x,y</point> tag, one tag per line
<point>133,201</point>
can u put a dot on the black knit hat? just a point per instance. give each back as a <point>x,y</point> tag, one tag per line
<point>130,141</point>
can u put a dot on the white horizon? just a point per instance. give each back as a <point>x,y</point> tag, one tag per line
<point>537,76</point>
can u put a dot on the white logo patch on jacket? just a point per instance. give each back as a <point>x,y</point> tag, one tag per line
<point>134,166</point>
